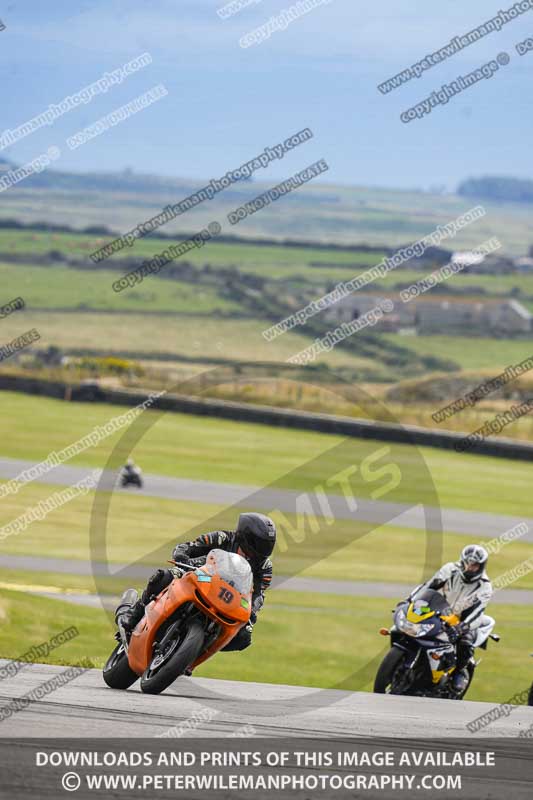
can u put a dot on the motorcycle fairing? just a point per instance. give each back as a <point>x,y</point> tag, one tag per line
<point>204,596</point>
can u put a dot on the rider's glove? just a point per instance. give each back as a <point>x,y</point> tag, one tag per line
<point>253,618</point>
<point>452,634</point>
<point>462,628</point>
<point>179,555</point>
<point>456,631</point>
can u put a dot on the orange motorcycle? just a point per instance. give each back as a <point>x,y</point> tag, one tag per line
<point>188,622</point>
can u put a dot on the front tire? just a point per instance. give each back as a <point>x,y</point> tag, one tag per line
<point>530,696</point>
<point>117,672</point>
<point>470,672</point>
<point>386,670</point>
<point>156,680</point>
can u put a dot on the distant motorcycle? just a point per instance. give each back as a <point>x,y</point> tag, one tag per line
<point>188,622</point>
<point>131,476</point>
<point>422,659</point>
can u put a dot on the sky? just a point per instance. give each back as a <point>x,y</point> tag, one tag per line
<point>226,103</point>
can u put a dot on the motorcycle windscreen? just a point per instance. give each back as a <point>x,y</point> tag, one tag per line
<point>431,599</point>
<point>232,568</point>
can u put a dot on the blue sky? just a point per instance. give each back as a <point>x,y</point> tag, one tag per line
<point>225,103</point>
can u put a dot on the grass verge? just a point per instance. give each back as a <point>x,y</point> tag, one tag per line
<point>205,448</point>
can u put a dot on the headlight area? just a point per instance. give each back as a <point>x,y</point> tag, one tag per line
<point>410,628</point>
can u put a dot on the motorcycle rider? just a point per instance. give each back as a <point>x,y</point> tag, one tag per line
<point>468,590</point>
<point>254,539</point>
<point>129,469</point>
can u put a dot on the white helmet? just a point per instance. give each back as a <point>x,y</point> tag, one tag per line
<point>473,555</point>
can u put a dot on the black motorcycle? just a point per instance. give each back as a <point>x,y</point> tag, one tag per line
<point>131,476</point>
<point>422,659</point>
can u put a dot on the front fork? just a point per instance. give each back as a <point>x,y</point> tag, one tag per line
<point>408,672</point>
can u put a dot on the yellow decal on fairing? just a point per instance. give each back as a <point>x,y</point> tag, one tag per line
<point>412,616</point>
<point>436,674</point>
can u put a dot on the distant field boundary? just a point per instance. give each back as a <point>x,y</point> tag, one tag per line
<point>266,415</point>
<point>102,230</point>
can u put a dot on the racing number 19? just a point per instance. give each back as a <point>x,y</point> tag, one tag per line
<point>225,595</point>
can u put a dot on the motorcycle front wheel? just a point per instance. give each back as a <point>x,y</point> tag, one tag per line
<point>460,695</point>
<point>387,668</point>
<point>117,672</point>
<point>167,666</point>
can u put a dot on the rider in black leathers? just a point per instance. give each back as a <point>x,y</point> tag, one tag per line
<point>254,539</point>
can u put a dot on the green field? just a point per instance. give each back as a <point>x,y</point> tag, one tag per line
<point>45,286</point>
<point>267,261</point>
<point>222,450</point>
<point>469,352</point>
<point>144,530</point>
<point>321,212</point>
<point>191,336</point>
<point>77,309</point>
<point>220,253</point>
<point>60,288</point>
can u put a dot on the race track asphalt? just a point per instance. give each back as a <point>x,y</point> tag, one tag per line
<point>379,512</point>
<point>86,707</point>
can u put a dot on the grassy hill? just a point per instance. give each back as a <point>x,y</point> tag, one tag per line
<point>316,212</point>
<point>212,306</point>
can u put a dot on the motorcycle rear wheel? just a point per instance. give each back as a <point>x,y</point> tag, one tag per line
<point>157,680</point>
<point>386,670</point>
<point>117,672</point>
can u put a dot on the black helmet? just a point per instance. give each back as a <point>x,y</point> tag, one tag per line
<point>473,554</point>
<point>256,535</point>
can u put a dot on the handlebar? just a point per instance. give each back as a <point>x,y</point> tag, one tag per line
<point>183,565</point>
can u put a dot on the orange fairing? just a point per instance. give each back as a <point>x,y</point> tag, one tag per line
<point>215,597</point>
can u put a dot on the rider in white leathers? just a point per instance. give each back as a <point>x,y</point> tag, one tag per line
<point>468,590</point>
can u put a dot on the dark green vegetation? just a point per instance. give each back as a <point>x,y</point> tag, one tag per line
<point>498,189</point>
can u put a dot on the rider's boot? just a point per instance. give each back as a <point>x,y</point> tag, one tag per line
<point>130,616</point>
<point>460,679</point>
<point>130,610</point>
